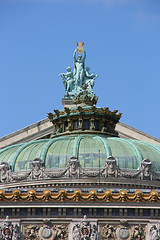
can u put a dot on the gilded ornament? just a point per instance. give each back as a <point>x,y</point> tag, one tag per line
<point>123,196</point>
<point>138,196</point>
<point>79,47</point>
<point>108,195</point>
<point>47,195</point>
<point>154,196</point>
<point>16,195</point>
<point>31,195</point>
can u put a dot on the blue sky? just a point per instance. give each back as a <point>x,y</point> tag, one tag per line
<point>122,41</point>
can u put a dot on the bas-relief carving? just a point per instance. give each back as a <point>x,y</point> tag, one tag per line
<point>138,233</point>
<point>46,231</point>
<point>124,231</point>
<point>31,232</point>
<point>84,230</point>
<point>108,232</point>
<point>9,230</point>
<point>153,231</point>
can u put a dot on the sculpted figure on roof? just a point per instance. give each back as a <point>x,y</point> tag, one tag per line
<point>68,80</point>
<point>79,69</point>
<point>74,81</point>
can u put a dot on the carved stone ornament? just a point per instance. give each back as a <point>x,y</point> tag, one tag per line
<point>85,231</point>
<point>110,168</point>
<point>108,232</point>
<point>154,232</point>
<point>138,233</point>
<point>146,170</point>
<point>123,231</point>
<point>46,231</point>
<point>85,97</point>
<point>73,168</point>
<point>37,170</point>
<point>31,232</point>
<point>9,231</point>
<point>5,172</point>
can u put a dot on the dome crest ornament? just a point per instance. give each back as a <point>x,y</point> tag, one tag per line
<point>75,81</point>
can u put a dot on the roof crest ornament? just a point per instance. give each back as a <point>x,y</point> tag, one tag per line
<point>79,82</point>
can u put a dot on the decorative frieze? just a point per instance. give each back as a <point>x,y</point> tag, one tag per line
<point>73,169</point>
<point>46,231</point>
<point>123,231</point>
<point>77,195</point>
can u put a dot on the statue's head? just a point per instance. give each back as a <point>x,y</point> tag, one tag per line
<point>68,69</point>
<point>73,162</point>
<point>87,69</point>
<point>146,165</point>
<point>79,58</point>
<point>111,162</point>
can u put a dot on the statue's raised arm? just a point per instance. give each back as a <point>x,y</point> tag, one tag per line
<point>84,58</point>
<point>74,55</point>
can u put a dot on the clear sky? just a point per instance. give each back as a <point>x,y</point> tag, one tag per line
<point>122,41</point>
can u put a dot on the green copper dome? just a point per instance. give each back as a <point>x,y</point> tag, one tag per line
<point>88,148</point>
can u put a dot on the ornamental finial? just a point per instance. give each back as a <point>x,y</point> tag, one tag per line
<point>79,47</point>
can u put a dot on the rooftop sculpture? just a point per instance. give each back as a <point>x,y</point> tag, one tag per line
<point>78,80</point>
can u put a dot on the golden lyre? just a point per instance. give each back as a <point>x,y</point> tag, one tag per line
<point>79,47</point>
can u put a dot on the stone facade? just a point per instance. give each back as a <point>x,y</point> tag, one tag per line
<point>79,229</point>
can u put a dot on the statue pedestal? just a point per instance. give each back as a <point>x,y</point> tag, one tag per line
<point>67,102</point>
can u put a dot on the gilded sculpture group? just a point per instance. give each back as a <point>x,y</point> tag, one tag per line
<point>80,77</point>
